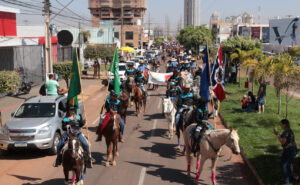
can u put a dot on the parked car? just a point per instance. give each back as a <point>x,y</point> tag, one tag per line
<point>88,64</point>
<point>36,124</point>
<point>122,69</point>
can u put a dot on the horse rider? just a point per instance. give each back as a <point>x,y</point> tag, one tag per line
<point>111,85</point>
<point>140,81</point>
<point>174,63</point>
<point>173,92</point>
<point>193,63</point>
<point>130,74</point>
<point>142,67</point>
<point>186,66</point>
<point>184,103</point>
<point>156,68</point>
<point>72,122</point>
<point>201,118</point>
<point>112,104</point>
<point>198,72</point>
<point>175,77</point>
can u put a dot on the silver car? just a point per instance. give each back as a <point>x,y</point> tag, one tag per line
<point>36,124</point>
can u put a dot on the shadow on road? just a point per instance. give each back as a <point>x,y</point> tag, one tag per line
<point>48,182</point>
<point>164,150</point>
<point>19,154</point>
<point>167,174</point>
<point>25,178</point>
<point>150,117</point>
<point>99,157</point>
<point>155,133</point>
<point>226,176</point>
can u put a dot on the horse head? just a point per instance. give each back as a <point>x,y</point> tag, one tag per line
<point>73,145</point>
<point>233,141</point>
<point>115,118</point>
<point>167,105</point>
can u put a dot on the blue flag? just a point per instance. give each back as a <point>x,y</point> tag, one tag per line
<point>205,78</point>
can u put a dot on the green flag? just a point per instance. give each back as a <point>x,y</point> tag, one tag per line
<point>75,86</point>
<point>115,70</point>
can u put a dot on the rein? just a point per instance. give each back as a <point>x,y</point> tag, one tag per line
<point>211,144</point>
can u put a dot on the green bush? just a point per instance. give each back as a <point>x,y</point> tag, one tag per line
<point>98,51</point>
<point>64,70</point>
<point>9,81</point>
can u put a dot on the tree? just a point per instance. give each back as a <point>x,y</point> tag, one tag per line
<point>192,37</point>
<point>258,64</point>
<point>286,76</point>
<point>237,58</point>
<point>86,35</point>
<point>98,51</point>
<point>158,41</point>
<point>64,69</point>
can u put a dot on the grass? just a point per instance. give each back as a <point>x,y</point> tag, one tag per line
<point>102,68</point>
<point>256,130</point>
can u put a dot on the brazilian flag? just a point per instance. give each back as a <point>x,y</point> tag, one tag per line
<point>75,85</point>
<point>114,68</point>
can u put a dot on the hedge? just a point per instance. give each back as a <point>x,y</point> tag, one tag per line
<point>64,70</point>
<point>9,81</point>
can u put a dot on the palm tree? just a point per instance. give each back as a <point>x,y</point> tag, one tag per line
<point>237,58</point>
<point>286,75</point>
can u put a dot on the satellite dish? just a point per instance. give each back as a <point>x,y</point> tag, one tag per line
<point>65,38</point>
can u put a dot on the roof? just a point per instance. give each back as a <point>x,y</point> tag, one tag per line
<point>9,9</point>
<point>44,99</point>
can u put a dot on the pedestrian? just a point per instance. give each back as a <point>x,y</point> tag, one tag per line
<point>95,66</point>
<point>52,86</point>
<point>99,67</point>
<point>251,102</point>
<point>244,103</point>
<point>287,141</point>
<point>261,94</point>
<point>233,74</point>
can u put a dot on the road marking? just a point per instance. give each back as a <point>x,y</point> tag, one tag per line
<point>154,127</point>
<point>94,122</point>
<point>142,176</point>
<point>11,107</point>
<point>159,103</point>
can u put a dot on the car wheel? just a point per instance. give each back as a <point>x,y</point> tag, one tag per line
<point>56,139</point>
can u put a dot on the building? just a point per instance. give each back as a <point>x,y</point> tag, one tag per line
<point>131,21</point>
<point>285,31</point>
<point>8,21</point>
<point>191,13</point>
<point>242,25</point>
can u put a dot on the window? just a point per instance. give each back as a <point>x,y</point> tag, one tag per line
<point>116,35</point>
<point>129,35</point>
<point>32,110</point>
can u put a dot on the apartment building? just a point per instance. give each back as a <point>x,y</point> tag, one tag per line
<point>132,18</point>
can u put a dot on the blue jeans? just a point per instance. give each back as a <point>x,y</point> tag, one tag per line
<point>122,124</point>
<point>177,118</point>
<point>261,101</point>
<point>174,99</point>
<point>81,138</point>
<point>251,106</point>
<point>286,163</point>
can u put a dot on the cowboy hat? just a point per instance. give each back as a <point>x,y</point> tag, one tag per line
<point>71,107</point>
<point>187,86</point>
<point>193,59</point>
<point>173,60</point>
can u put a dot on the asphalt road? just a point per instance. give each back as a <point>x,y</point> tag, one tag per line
<point>147,157</point>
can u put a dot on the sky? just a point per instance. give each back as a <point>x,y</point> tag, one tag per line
<point>159,9</point>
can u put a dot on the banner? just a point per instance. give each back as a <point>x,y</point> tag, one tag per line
<point>159,78</point>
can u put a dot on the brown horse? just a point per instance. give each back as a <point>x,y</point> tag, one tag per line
<point>111,133</point>
<point>73,159</point>
<point>138,99</point>
<point>124,98</point>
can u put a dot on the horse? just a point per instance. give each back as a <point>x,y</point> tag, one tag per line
<point>210,148</point>
<point>111,133</point>
<point>129,84</point>
<point>138,99</point>
<point>124,98</point>
<point>169,110</point>
<point>73,159</point>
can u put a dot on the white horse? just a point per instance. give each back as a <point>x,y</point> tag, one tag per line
<point>210,148</point>
<point>169,111</point>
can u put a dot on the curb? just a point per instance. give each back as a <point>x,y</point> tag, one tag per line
<point>248,163</point>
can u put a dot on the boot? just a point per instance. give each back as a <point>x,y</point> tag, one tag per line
<point>58,161</point>
<point>121,138</point>
<point>99,137</point>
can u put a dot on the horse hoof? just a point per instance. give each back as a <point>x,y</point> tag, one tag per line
<point>178,147</point>
<point>66,182</point>
<point>114,163</point>
<point>189,174</point>
<point>107,164</point>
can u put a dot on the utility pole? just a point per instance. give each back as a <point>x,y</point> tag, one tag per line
<point>149,23</point>
<point>48,41</point>
<point>122,23</point>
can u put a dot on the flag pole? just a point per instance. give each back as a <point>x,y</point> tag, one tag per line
<point>85,125</point>
<point>210,88</point>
